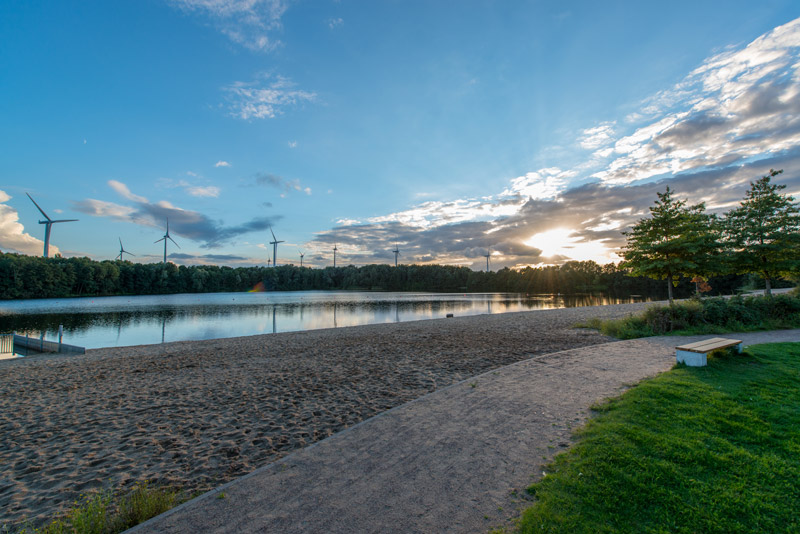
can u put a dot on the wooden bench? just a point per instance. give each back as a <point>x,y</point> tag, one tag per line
<point>695,354</point>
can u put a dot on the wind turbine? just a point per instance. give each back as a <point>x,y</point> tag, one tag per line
<point>165,239</point>
<point>123,251</point>
<point>396,253</point>
<point>488,253</point>
<point>274,244</point>
<point>301,258</point>
<point>334,254</point>
<point>48,224</point>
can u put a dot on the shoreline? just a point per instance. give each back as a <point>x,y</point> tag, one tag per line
<point>197,414</point>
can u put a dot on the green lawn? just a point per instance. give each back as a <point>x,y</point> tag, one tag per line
<point>714,449</point>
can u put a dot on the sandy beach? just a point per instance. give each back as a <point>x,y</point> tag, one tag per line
<point>198,414</point>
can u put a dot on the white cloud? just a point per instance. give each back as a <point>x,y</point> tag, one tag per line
<point>347,222</point>
<point>12,233</point>
<point>597,136</point>
<point>436,213</point>
<point>222,163</point>
<point>292,144</point>
<point>264,98</point>
<point>123,191</point>
<point>334,23</point>
<point>249,23</point>
<point>544,183</point>
<point>209,191</point>
<point>740,104</point>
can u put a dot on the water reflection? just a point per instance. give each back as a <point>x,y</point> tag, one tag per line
<point>119,321</point>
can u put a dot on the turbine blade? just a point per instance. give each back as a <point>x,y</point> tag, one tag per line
<point>273,234</point>
<point>177,245</point>
<point>64,220</point>
<point>120,243</point>
<point>37,206</point>
<point>162,239</point>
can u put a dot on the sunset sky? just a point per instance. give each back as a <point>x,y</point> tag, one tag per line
<point>540,130</point>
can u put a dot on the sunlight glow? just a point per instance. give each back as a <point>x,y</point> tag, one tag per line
<point>559,243</point>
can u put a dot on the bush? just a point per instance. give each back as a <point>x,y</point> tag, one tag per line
<point>708,316</point>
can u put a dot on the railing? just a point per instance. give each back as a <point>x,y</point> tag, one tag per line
<point>6,343</point>
<point>40,345</point>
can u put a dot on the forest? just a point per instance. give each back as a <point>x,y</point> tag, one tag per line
<point>25,277</point>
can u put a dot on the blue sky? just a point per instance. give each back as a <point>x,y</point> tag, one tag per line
<point>538,129</point>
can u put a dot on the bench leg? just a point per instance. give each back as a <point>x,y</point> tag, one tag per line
<point>739,347</point>
<point>692,359</point>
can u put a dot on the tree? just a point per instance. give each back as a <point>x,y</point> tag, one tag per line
<point>677,240</point>
<point>764,232</point>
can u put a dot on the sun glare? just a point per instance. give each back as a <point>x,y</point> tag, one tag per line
<point>560,242</point>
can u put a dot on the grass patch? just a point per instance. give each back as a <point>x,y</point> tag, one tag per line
<point>106,512</point>
<point>707,316</point>
<point>712,449</point>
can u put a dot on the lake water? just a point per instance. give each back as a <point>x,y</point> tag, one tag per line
<point>120,321</point>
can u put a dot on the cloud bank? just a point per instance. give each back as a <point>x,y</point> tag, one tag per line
<point>186,223</point>
<point>728,122</point>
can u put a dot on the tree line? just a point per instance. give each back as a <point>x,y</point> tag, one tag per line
<point>759,237</point>
<point>23,277</point>
<point>690,249</point>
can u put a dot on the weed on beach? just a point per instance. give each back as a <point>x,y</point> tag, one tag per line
<point>106,512</point>
<point>711,449</point>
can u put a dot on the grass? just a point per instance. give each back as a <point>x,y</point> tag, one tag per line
<point>707,316</point>
<point>106,512</point>
<point>712,449</point>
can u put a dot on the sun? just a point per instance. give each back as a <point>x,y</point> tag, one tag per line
<point>562,242</point>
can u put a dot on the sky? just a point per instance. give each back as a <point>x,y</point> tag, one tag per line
<point>535,131</point>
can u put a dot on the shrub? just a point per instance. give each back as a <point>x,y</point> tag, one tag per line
<point>712,315</point>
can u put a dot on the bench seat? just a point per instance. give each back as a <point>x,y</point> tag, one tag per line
<point>695,354</point>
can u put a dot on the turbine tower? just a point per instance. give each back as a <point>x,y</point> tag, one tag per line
<point>274,244</point>
<point>301,258</point>
<point>396,252</point>
<point>165,239</point>
<point>123,251</point>
<point>488,253</point>
<point>334,254</point>
<point>48,224</point>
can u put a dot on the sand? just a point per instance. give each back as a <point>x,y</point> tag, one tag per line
<point>198,414</point>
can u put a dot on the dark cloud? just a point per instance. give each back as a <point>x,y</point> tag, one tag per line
<point>279,182</point>
<point>182,223</point>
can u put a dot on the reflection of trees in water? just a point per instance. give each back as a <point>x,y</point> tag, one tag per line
<point>164,317</point>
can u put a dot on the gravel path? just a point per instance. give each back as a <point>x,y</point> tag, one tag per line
<point>456,460</point>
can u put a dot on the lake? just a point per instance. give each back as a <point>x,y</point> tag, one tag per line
<point>138,320</point>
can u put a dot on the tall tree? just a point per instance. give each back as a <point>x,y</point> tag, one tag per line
<point>676,240</point>
<point>764,232</point>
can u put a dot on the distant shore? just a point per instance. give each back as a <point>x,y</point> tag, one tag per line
<point>197,414</point>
